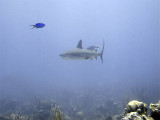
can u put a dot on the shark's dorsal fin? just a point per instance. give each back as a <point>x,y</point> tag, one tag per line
<point>79,44</point>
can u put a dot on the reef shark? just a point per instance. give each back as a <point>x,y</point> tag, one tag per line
<point>79,53</point>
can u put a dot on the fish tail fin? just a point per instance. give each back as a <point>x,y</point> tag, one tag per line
<point>101,54</point>
<point>33,26</point>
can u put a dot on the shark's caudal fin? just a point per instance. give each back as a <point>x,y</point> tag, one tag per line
<point>79,44</point>
<point>101,54</point>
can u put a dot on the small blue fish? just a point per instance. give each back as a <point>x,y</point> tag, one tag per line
<point>38,25</point>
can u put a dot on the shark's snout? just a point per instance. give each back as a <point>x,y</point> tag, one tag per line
<point>63,55</point>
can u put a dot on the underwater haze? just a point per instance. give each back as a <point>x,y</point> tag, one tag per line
<point>30,64</point>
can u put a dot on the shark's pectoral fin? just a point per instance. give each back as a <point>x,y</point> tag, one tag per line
<point>87,58</point>
<point>96,58</point>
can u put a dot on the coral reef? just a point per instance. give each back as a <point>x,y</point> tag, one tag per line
<point>75,108</point>
<point>155,110</point>
<point>136,106</point>
<point>18,116</point>
<point>136,110</point>
<point>56,113</point>
<point>9,105</point>
<point>136,116</point>
<point>48,109</point>
<point>4,118</point>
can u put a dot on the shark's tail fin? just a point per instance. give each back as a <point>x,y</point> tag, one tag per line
<point>101,54</point>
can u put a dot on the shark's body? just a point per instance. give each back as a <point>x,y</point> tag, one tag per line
<point>81,54</point>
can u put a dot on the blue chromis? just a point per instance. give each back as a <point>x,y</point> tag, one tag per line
<point>38,25</point>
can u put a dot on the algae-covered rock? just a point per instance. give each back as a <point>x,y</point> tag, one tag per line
<point>155,110</point>
<point>132,116</point>
<point>136,116</point>
<point>136,110</point>
<point>136,106</point>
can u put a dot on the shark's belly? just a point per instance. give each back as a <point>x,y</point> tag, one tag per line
<point>81,56</point>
